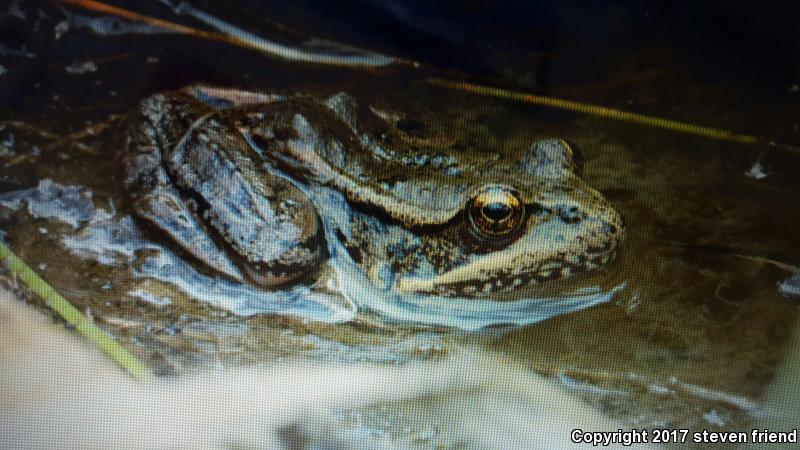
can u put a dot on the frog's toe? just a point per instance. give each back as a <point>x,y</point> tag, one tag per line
<point>291,265</point>
<point>286,251</point>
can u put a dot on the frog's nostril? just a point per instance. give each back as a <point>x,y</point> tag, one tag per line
<point>496,211</point>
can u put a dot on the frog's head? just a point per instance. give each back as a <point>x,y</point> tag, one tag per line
<point>519,224</point>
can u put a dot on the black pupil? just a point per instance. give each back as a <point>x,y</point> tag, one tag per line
<point>496,211</point>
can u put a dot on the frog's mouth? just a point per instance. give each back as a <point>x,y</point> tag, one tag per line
<point>531,262</point>
<point>478,280</point>
<point>414,300</point>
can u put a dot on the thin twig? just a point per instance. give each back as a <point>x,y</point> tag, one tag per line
<point>241,38</point>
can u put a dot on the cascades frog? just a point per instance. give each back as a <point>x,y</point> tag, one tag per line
<point>263,188</point>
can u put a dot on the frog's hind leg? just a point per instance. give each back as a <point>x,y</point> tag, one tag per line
<point>164,209</point>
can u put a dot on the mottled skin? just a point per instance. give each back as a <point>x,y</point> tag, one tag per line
<point>262,184</point>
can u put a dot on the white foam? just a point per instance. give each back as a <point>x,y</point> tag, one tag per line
<point>67,204</point>
<point>790,286</point>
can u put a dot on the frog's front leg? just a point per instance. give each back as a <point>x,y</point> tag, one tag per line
<point>195,176</point>
<point>157,201</point>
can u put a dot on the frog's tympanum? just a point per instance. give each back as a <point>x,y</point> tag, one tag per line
<point>264,188</point>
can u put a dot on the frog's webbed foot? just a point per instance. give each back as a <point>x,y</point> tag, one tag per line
<point>163,208</point>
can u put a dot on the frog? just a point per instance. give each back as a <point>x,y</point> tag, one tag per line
<point>267,187</point>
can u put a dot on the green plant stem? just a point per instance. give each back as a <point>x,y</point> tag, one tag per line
<point>72,316</point>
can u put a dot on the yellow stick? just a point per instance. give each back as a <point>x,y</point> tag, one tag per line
<point>74,317</point>
<point>609,113</point>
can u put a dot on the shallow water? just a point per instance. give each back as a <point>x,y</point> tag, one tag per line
<point>690,321</point>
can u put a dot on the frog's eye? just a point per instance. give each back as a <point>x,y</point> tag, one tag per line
<point>496,212</point>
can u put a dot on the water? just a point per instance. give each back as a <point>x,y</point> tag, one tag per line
<point>705,288</point>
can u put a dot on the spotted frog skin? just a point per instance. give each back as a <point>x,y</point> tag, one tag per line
<point>264,188</point>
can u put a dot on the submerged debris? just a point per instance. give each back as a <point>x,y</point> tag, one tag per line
<point>8,51</point>
<point>49,200</point>
<point>757,172</point>
<point>81,67</point>
<point>7,147</point>
<point>104,25</point>
<point>790,286</point>
<point>61,29</point>
<point>14,10</point>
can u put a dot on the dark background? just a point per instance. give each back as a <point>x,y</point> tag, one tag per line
<point>643,55</point>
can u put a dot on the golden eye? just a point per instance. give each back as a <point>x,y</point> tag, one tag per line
<point>496,212</point>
